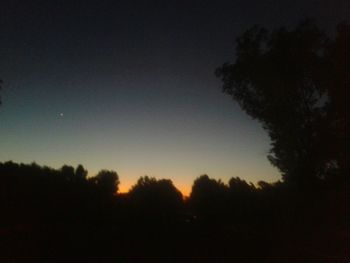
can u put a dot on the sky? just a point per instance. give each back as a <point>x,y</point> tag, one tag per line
<point>130,85</point>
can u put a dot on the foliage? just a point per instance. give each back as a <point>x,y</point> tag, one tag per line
<point>54,215</point>
<point>208,195</point>
<point>80,172</point>
<point>285,80</point>
<point>156,195</point>
<point>107,182</point>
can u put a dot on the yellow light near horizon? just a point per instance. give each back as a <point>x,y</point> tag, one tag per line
<point>183,188</point>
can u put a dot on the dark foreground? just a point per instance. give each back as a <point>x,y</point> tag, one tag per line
<point>47,217</point>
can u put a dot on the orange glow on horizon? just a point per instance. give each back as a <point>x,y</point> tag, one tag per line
<point>125,188</point>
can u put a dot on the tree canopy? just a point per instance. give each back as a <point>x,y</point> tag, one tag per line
<point>46,210</point>
<point>291,81</point>
<point>107,181</point>
<point>208,195</point>
<point>156,195</point>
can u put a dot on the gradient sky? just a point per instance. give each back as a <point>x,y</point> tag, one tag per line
<point>129,85</point>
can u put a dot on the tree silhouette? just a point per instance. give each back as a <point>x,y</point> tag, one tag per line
<point>67,172</point>
<point>338,121</point>
<point>156,196</point>
<point>107,182</point>
<point>240,187</point>
<point>80,172</point>
<point>208,196</point>
<point>284,79</point>
<point>46,210</point>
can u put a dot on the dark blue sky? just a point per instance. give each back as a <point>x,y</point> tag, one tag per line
<point>129,85</point>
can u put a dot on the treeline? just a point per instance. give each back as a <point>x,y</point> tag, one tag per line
<point>55,215</point>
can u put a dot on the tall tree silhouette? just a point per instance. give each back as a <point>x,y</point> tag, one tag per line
<point>285,79</point>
